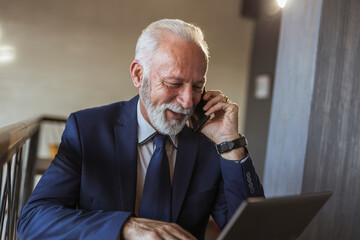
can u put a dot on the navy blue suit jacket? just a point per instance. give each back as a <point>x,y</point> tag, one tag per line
<point>89,190</point>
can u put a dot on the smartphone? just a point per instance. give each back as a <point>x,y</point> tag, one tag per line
<point>199,118</point>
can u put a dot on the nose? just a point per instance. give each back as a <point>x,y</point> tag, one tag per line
<point>185,98</point>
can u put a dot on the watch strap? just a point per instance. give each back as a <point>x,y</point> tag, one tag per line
<point>230,145</point>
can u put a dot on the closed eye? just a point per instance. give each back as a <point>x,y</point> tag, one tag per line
<point>170,83</point>
<point>198,88</point>
<point>173,85</point>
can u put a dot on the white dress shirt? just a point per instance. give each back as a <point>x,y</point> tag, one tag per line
<point>146,149</point>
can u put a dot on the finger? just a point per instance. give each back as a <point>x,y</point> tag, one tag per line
<point>179,232</point>
<point>152,235</point>
<point>163,233</point>
<point>173,231</point>
<point>211,94</point>
<point>221,106</point>
<point>215,100</point>
<point>212,97</point>
<point>170,234</point>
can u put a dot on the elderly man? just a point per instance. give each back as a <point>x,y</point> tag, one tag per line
<point>136,170</point>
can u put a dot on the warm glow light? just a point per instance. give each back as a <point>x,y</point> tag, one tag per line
<point>281,3</point>
<point>7,54</point>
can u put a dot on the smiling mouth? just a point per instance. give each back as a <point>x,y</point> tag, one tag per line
<point>174,115</point>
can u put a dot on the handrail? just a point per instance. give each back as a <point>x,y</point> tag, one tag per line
<point>18,156</point>
<point>12,137</point>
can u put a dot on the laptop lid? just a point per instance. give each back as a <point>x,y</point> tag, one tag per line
<point>274,218</point>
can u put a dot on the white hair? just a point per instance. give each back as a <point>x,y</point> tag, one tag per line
<point>151,36</point>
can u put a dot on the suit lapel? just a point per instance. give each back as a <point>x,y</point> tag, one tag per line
<point>126,153</point>
<point>126,133</point>
<point>185,162</point>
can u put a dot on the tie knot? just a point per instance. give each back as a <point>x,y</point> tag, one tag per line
<point>159,140</point>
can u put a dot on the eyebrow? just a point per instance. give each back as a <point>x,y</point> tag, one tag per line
<point>183,79</point>
<point>164,78</point>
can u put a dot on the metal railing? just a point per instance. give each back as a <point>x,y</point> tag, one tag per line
<point>18,156</point>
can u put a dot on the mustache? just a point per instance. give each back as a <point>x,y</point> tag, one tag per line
<point>178,108</point>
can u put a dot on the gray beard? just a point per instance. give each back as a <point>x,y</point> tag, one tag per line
<point>157,116</point>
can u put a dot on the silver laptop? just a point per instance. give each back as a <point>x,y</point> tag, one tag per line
<point>274,218</point>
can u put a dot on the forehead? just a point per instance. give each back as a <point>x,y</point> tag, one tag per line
<point>178,56</point>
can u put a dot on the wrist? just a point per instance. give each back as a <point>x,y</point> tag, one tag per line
<point>235,154</point>
<point>226,146</point>
<point>227,138</point>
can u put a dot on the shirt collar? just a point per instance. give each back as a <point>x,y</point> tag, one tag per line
<point>146,131</point>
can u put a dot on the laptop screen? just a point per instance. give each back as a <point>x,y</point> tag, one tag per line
<point>274,218</point>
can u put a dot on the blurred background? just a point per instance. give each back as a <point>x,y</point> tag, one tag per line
<point>69,55</point>
<point>292,66</point>
<point>63,56</point>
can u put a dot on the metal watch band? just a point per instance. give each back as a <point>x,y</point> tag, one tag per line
<point>228,146</point>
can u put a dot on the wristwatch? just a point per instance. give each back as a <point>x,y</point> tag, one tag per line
<point>228,146</point>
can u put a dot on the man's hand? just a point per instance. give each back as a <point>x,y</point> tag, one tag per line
<point>224,125</point>
<point>142,228</point>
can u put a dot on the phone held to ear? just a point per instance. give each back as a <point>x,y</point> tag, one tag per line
<point>198,119</point>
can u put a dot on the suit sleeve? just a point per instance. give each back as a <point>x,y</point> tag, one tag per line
<point>52,211</point>
<point>239,182</point>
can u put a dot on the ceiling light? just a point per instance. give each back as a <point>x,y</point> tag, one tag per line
<point>281,3</point>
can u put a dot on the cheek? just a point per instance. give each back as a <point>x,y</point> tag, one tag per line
<point>161,96</point>
<point>197,99</point>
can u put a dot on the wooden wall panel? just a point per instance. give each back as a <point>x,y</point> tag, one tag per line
<point>314,137</point>
<point>333,148</point>
<point>292,96</point>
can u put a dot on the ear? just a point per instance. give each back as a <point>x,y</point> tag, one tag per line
<point>136,71</point>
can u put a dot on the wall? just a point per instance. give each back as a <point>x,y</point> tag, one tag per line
<point>290,113</point>
<point>333,148</point>
<point>314,137</point>
<point>76,54</point>
<point>263,61</point>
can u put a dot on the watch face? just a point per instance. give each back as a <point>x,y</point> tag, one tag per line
<point>230,145</point>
